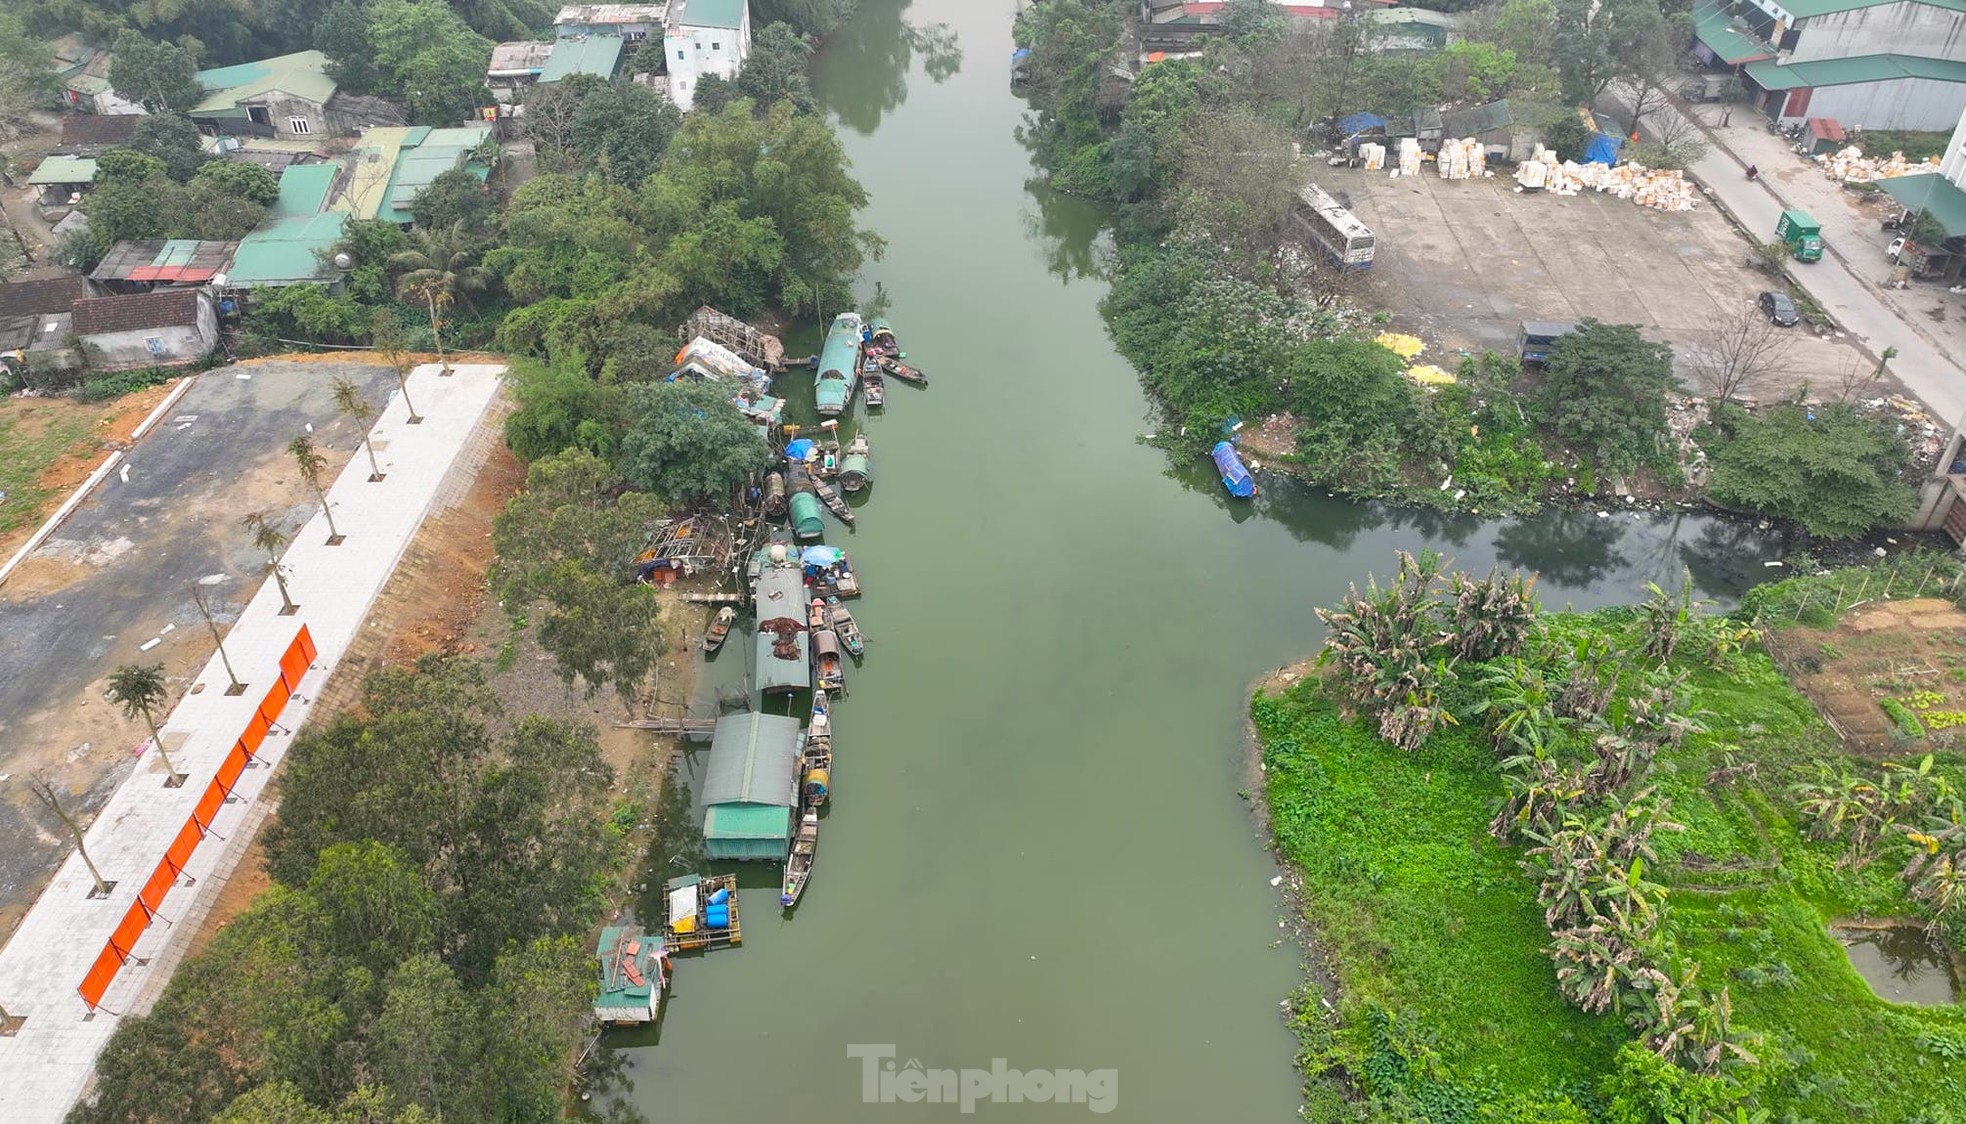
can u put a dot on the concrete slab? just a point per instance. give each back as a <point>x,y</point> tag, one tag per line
<point>49,1061</point>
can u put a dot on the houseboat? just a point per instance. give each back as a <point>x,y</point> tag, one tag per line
<point>798,859</point>
<point>856,465</point>
<point>839,366</point>
<point>633,970</point>
<point>828,665</point>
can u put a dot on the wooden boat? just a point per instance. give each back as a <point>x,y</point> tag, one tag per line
<point>798,860</point>
<point>842,580</point>
<point>875,385</point>
<point>857,465</point>
<point>816,615</point>
<point>840,618</point>
<point>831,498</point>
<point>826,459</point>
<point>880,336</point>
<point>816,767</point>
<point>719,629</point>
<point>774,502</point>
<point>828,669</point>
<point>904,372</point>
<point>700,911</point>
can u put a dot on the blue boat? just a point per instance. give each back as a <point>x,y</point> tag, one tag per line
<point>1235,477</point>
<point>839,366</point>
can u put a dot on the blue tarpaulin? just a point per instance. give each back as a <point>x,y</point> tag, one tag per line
<point>800,449</point>
<point>819,555</point>
<point>1357,123</point>
<point>1603,149</point>
<point>1235,477</point>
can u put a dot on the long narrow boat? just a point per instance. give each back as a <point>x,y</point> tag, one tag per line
<point>798,859</point>
<point>1235,477</point>
<point>719,629</point>
<point>857,464</point>
<point>841,619</point>
<point>839,366</point>
<point>831,498</point>
<point>816,767</point>
<point>904,372</point>
<point>828,668</point>
<point>874,385</point>
<point>774,501</point>
<point>807,522</point>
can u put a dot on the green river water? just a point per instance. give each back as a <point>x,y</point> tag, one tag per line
<point>1037,849</point>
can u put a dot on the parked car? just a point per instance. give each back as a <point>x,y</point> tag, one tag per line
<point>1780,309</point>
<point>1898,245</point>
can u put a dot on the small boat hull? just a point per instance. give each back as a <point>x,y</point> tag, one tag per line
<point>1235,477</point>
<point>799,858</point>
<point>904,372</point>
<point>719,629</point>
<point>839,366</point>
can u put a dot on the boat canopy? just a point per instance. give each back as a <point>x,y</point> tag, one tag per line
<point>826,642</point>
<point>807,519</point>
<point>1235,477</point>
<point>820,555</point>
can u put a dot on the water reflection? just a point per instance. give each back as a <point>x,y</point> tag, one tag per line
<point>1069,229</point>
<point>1900,963</point>
<point>866,63</point>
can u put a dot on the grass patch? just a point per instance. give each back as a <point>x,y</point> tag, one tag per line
<point>34,433</point>
<point>1448,1007</point>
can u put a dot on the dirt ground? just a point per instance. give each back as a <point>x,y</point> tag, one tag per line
<point>1462,263</point>
<point>1913,651</point>
<point>41,469</point>
<point>438,601</point>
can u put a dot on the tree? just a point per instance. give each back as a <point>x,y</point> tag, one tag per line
<point>311,464</point>
<point>348,399</point>
<point>622,129</point>
<point>44,791</point>
<point>1830,469</point>
<point>1739,349</point>
<point>430,57</point>
<point>158,75</point>
<point>139,689</point>
<point>457,198</point>
<point>1599,42</point>
<point>394,349</point>
<point>124,201</point>
<point>343,35</point>
<point>218,639</point>
<point>1235,182</point>
<point>1604,393</point>
<point>1467,69</point>
<point>776,70</point>
<point>1569,137</point>
<point>27,76</point>
<point>172,138</point>
<point>206,209</point>
<point>687,443</point>
<point>568,543</point>
<point>242,179</point>
<point>271,539</point>
<point>561,408</point>
<point>816,18</point>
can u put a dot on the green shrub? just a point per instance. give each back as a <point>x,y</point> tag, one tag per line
<point>1901,716</point>
<point>116,384</point>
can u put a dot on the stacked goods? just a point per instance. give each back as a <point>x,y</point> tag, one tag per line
<point>1533,175</point>
<point>1662,189</point>
<point>1409,156</point>
<point>1374,156</point>
<point>1462,159</point>
<point>1851,166</point>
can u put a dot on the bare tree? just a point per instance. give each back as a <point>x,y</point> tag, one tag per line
<point>1737,351</point>
<point>270,539</point>
<point>1680,137</point>
<point>205,611</point>
<point>394,349</point>
<point>44,791</point>
<point>311,464</point>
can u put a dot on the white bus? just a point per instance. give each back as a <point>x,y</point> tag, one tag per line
<point>1323,223</point>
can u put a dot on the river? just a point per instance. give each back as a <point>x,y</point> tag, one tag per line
<point>1037,849</point>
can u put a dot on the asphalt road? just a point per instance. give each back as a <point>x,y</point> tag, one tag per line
<point>117,574</point>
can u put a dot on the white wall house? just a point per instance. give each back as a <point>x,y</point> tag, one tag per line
<point>160,329</point>
<point>704,37</point>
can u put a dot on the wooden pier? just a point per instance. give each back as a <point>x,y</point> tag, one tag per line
<point>715,598</point>
<point>690,729</point>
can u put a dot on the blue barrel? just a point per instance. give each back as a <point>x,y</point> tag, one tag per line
<point>721,896</point>
<point>717,917</point>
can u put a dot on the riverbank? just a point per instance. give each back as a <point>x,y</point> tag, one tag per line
<point>1445,998</point>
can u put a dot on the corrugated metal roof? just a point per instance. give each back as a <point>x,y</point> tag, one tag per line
<point>286,251</point>
<point>754,759</point>
<point>303,190</point>
<point>1729,42</point>
<point>1853,71</point>
<point>610,15</point>
<point>303,74</point>
<point>1476,120</point>
<point>524,56</point>
<point>707,13</point>
<point>1934,193</point>
<point>64,169</point>
<point>585,54</point>
<point>180,260</point>
<point>1803,9</point>
<point>748,821</point>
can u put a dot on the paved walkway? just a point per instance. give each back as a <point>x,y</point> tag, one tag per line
<point>1845,281</point>
<point>48,1063</point>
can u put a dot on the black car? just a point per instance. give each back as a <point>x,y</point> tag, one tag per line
<point>1780,309</point>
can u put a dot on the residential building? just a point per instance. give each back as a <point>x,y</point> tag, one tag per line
<point>60,182</point>
<point>515,66</point>
<point>35,320</point>
<point>165,328</point>
<point>1875,64</point>
<point>288,96</point>
<point>704,37</point>
<point>1419,30</point>
<point>633,22</point>
<point>292,245</point>
<point>82,73</point>
<point>141,266</point>
<point>751,787</point>
<point>596,55</point>
<point>87,134</point>
<point>392,165</point>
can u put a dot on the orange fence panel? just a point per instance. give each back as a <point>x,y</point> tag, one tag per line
<point>275,702</point>
<point>100,974</point>
<point>255,733</point>
<point>228,773</point>
<point>305,641</point>
<point>124,939</point>
<point>186,842</point>
<point>161,881</point>
<point>208,806</point>
<point>293,665</point>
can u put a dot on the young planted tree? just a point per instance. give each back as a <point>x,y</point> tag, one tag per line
<point>387,334</point>
<point>205,611</point>
<point>138,689</point>
<point>44,791</point>
<point>348,399</point>
<point>270,539</point>
<point>310,464</point>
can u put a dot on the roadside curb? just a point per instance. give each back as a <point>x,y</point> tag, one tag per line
<point>82,490</point>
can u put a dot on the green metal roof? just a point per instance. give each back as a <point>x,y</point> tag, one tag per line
<point>1730,43</point>
<point>595,54</point>
<point>1804,9</point>
<point>711,13</point>
<point>618,991</point>
<point>303,190</point>
<point>1934,193</point>
<point>747,821</point>
<point>422,155</point>
<point>65,169</point>
<point>1854,70</point>
<point>754,759</point>
<point>286,251</point>
<point>303,74</point>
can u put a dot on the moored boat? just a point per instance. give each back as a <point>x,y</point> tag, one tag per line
<point>856,465</point>
<point>828,668</point>
<point>904,372</point>
<point>774,501</point>
<point>634,966</point>
<point>874,384</point>
<point>719,629</point>
<point>831,498</point>
<point>880,337</point>
<point>842,622</point>
<point>807,521</point>
<point>1235,477</point>
<point>816,766</point>
<point>839,366</point>
<point>798,859</point>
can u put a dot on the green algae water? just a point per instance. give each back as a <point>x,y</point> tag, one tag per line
<point>1037,848</point>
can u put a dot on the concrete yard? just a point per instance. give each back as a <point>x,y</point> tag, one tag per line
<point>117,575</point>
<point>1461,263</point>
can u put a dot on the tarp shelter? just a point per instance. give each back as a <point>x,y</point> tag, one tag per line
<point>1354,124</point>
<point>750,787</point>
<point>1235,477</point>
<point>1605,143</point>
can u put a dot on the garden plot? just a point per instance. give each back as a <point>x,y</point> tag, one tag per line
<point>1889,676</point>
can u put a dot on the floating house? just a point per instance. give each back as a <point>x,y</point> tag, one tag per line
<point>839,365</point>
<point>751,787</point>
<point>782,645</point>
<point>632,966</point>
